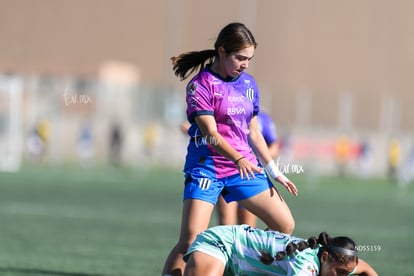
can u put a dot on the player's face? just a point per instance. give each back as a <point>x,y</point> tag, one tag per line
<point>331,268</point>
<point>235,63</point>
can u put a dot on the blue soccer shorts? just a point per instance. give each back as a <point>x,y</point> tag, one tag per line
<point>199,185</point>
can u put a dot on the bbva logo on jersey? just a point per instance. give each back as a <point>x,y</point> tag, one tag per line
<point>250,94</point>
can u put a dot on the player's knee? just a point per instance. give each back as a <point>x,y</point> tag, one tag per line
<point>203,264</point>
<point>289,226</point>
<point>183,246</point>
<point>286,226</point>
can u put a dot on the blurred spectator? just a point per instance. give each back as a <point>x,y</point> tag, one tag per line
<point>38,140</point>
<point>394,158</point>
<point>86,146</point>
<point>34,145</point>
<point>407,172</point>
<point>342,154</point>
<point>365,159</point>
<point>151,134</point>
<point>115,144</point>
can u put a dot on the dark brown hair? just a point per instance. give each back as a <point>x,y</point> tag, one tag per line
<point>233,37</point>
<point>341,249</point>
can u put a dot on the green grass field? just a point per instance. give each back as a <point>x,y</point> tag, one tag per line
<point>107,221</point>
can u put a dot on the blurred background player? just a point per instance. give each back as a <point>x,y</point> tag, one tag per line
<point>342,154</point>
<point>365,158</point>
<point>407,172</point>
<point>86,145</point>
<point>151,133</point>
<point>115,144</point>
<point>38,140</point>
<point>268,129</point>
<point>394,158</point>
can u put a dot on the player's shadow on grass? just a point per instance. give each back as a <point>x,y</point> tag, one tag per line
<point>35,271</point>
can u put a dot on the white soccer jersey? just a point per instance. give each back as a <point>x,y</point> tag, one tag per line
<point>249,243</point>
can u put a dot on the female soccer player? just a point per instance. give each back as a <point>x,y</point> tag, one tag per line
<point>222,107</point>
<point>244,250</point>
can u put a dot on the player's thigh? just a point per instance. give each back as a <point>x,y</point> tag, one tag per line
<point>195,219</point>
<point>270,207</point>
<point>245,217</point>
<point>227,212</point>
<point>201,264</point>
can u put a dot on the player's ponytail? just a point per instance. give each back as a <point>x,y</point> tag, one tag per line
<point>341,249</point>
<point>187,63</point>
<point>290,249</point>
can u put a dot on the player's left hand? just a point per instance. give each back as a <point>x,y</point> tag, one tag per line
<point>289,185</point>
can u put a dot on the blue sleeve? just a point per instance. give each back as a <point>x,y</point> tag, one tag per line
<point>267,127</point>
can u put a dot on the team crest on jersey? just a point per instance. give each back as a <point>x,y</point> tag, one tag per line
<point>192,87</point>
<point>311,270</point>
<point>250,94</point>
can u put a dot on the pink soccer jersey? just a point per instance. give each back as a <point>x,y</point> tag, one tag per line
<point>233,103</point>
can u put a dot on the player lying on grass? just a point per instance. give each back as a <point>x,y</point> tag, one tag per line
<point>244,250</point>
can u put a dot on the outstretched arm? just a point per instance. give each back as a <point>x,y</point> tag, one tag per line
<point>261,150</point>
<point>365,269</point>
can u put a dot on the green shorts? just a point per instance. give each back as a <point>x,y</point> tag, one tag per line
<point>216,242</point>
